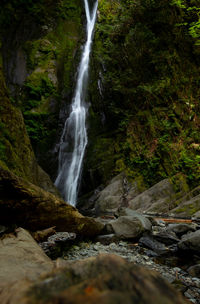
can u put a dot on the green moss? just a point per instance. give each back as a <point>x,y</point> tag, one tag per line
<point>150,85</point>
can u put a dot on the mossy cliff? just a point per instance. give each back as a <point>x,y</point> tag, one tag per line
<point>40,46</point>
<point>16,152</point>
<point>144,91</point>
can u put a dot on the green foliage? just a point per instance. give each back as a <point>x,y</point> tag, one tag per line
<point>41,128</point>
<point>191,17</point>
<point>151,85</point>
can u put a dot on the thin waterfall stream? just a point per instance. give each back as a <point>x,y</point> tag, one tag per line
<point>74,137</point>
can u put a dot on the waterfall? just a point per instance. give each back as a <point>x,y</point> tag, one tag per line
<point>74,137</point>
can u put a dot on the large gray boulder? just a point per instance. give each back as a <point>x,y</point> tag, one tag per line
<point>128,227</point>
<point>110,198</point>
<point>117,194</point>
<point>181,229</point>
<point>156,199</point>
<point>190,241</point>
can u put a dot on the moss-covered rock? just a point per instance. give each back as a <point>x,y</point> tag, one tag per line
<point>144,84</point>
<point>40,55</point>
<point>16,152</point>
<point>31,207</point>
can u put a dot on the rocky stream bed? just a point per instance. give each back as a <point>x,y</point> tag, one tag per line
<point>171,249</point>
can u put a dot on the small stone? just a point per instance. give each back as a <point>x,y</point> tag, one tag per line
<point>76,247</point>
<point>193,301</point>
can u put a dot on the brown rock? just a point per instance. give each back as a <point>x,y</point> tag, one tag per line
<point>107,279</point>
<point>31,207</point>
<point>42,235</point>
<point>22,262</point>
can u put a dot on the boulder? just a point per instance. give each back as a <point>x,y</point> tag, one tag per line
<point>107,239</point>
<point>106,279</point>
<point>117,194</point>
<point>156,199</point>
<point>31,207</point>
<point>150,242</point>
<point>128,227</point>
<point>42,235</point>
<point>194,271</point>
<point>180,229</point>
<point>110,198</point>
<point>190,241</point>
<point>22,260</point>
<point>167,238</point>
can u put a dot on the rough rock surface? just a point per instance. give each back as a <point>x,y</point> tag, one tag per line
<point>110,198</point>
<point>19,156</point>
<point>156,199</point>
<point>163,198</point>
<point>117,194</point>
<point>194,270</point>
<point>190,241</point>
<point>127,227</point>
<point>189,204</point>
<point>22,260</point>
<point>56,243</point>
<point>95,280</point>
<point>180,229</point>
<point>31,207</point>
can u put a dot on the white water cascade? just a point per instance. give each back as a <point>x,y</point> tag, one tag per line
<point>74,137</point>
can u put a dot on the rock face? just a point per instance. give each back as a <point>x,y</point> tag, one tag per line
<point>95,280</point>
<point>189,204</point>
<point>31,207</point>
<point>117,194</point>
<point>22,260</point>
<point>162,198</point>
<point>127,227</point>
<point>111,197</point>
<point>16,153</point>
<point>156,199</point>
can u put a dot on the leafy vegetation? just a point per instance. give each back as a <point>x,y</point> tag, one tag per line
<point>148,55</point>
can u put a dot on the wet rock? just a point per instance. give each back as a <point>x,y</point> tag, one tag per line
<point>181,229</point>
<point>127,227</point>
<point>190,241</point>
<point>150,242</point>
<point>194,271</point>
<point>167,238</point>
<point>82,282</point>
<point>31,207</point>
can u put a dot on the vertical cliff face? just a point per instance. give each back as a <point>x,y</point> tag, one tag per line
<point>40,48</point>
<point>16,152</point>
<point>144,91</point>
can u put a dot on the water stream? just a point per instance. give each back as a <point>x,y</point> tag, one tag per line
<point>74,137</point>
